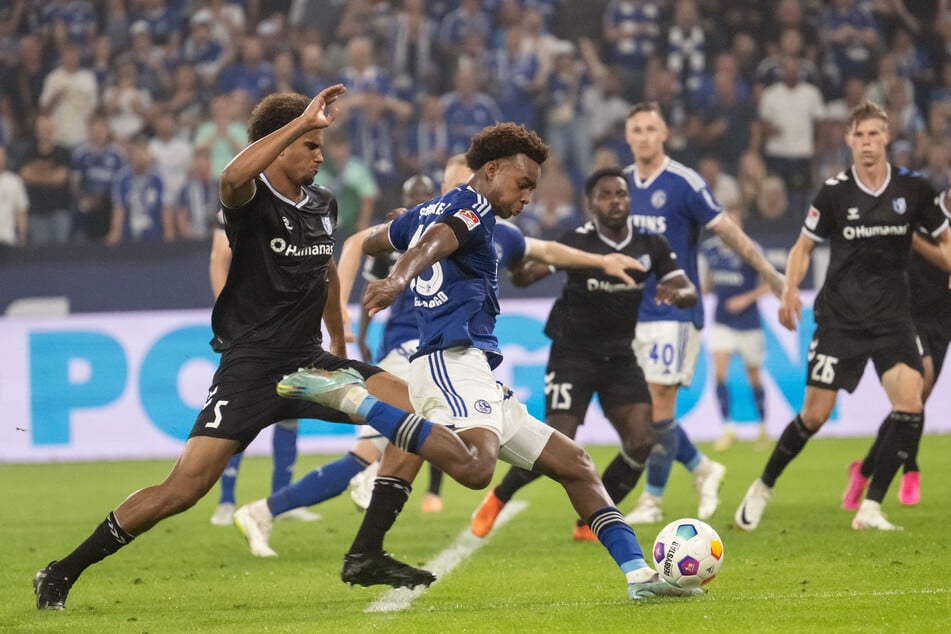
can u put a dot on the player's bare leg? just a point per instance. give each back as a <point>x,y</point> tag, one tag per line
<point>196,471</point>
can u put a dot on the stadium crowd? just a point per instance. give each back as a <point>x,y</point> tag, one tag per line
<point>117,116</point>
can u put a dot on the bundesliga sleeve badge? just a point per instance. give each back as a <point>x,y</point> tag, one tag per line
<point>469,217</point>
<point>812,218</point>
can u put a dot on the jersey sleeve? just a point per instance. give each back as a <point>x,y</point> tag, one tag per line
<point>466,216</point>
<point>702,206</point>
<point>664,262</point>
<point>933,218</point>
<point>819,221</point>
<point>511,244</point>
<point>402,229</point>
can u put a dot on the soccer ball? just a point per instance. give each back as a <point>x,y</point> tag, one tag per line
<point>688,553</point>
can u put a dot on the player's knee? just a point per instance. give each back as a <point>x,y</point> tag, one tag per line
<point>477,474</point>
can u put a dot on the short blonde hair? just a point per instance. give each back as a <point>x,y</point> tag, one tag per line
<point>865,111</point>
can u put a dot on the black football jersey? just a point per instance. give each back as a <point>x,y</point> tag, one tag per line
<point>869,234</point>
<point>930,295</point>
<point>277,284</point>
<point>596,311</point>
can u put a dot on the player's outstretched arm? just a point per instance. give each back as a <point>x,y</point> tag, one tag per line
<point>790,308</point>
<point>677,290</point>
<point>565,257</point>
<point>236,185</point>
<point>436,243</point>
<point>347,267</point>
<point>737,240</point>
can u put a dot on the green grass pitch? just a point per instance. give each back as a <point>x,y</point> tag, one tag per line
<point>804,570</point>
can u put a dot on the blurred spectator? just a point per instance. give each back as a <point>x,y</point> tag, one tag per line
<point>427,144</point>
<point>789,15</point>
<point>468,19</point>
<point>516,79</point>
<point>45,172</point>
<point>171,154</point>
<point>186,100</point>
<point>604,108</point>
<point>914,63</point>
<point>833,155</point>
<point>771,211</point>
<point>95,166</point>
<point>139,212</point>
<point>148,58</point>
<point>552,210</point>
<point>535,36</point>
<point>14,205</point>
<point>228,20</point>
<point>69,97</point>
<point>850,37</point>
<point>24,83</point>
<point>888,78</point>
<point>769,70</point>
<point>285,73</point>
<point>566,129</point>
<point>116,23</point>
<point>251,73</point>
<point>631,30</point>
<point>127,106</point>
<point>789,113</point>
<point>905,121</point>
<point>313,77</point>
<point>222,135</point>
<point>198,199</point>
<point>727,127</point>
<point>668,94</point>
<point>750,175</point>
<point>373,137</point>
<point>350,180</point>
<point>361,74</point>
<point>202,48</point>
<point>101,63</point>
<point>11,16</point>
<point>77,18</point>
<point>466,109</point>
<point>163,18</point>
<point>724,187</point>
<point>686,45</point>
<point>414,61</point>
<point>935,169</point>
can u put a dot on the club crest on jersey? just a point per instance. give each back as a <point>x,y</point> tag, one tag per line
<point>328,226</point>
<point>899,206</point>
<point>852,213</point>
<point>469,217</point>
<point>287,223</point>
<point>812,218</point>
<point>482,406</point>
<point>645,261</point>
<point>658,199</point>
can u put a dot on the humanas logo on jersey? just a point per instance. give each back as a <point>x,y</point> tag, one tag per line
<point>875,231</point>
<point>654,224</point>
<point>280,245</point>
<point>611,287</point>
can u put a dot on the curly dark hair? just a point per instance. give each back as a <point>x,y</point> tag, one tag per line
<point>274,112</point>
<point>595,176</point>
<point>503,140</point>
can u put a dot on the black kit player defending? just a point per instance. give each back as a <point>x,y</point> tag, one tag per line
<point>868,214</point>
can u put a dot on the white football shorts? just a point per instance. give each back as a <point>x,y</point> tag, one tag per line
<point>667,351</point>
<point>456,388</point>
<point>749,344</point>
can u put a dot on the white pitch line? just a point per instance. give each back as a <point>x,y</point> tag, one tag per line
<point>442,564</point>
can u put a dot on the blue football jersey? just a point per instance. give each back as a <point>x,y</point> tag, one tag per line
<point>509,244</point>
<point>731,276</point>
<point>676,203</point>
<point>456,299</point>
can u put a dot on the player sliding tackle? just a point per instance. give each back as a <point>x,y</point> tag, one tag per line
<point>450,258</point>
